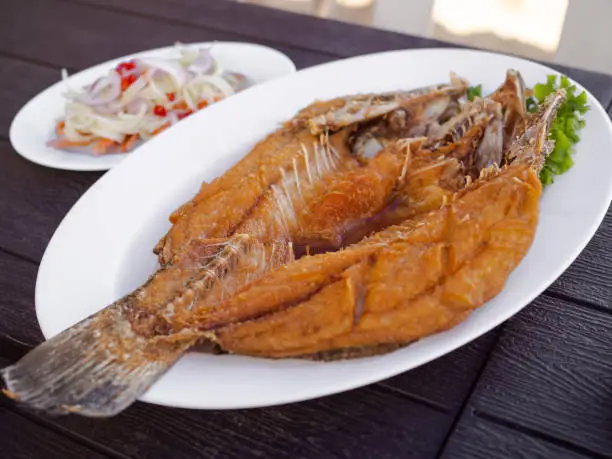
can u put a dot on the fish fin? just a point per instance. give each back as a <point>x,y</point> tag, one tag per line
<point>532,145</point>
<point>95,368</point>
<point>490,149</point>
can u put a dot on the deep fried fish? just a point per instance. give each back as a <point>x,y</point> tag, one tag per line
<point>404,282</point>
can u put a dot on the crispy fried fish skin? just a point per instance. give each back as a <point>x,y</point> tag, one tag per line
<point>240,193</point>
<point>403,284</point>
<point>222,204</point>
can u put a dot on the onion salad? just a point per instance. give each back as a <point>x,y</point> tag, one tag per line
<point>140,98</point>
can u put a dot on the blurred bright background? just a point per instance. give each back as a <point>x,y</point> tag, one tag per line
<point>570,32</point>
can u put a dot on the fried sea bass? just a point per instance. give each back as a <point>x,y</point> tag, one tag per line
<point>368,295</point>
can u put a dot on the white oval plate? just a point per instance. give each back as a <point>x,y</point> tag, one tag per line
<point>102,248</point>
<point>34,125</point>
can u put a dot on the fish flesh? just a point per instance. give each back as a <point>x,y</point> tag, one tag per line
<point>418,276</point>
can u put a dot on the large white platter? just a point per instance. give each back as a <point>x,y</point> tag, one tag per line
<point>34,124</point>
<point>102,249</point>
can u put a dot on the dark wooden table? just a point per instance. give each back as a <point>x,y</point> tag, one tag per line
<point>538,386</point>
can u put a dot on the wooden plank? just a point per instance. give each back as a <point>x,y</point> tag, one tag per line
<point>363,423</point>
<point>19,81</point>
<point>550,373</point>
<point>93,35</point>
<point>477,438</point>
<point>33,201</point>
<point>589,278</point>
<point>17,306</point>
<point>24,439</point>
<point>447,381</point>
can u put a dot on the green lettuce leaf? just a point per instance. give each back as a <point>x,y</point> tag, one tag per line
<point>565,128</point>
<point>474,91</point>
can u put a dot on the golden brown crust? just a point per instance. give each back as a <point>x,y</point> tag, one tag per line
<point>411,282</point>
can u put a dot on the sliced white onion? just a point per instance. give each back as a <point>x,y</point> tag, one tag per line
<point>173,118</point>
<point>136,105</point>
<point>103,91</point>
<point>174,69</point>
<point>188,99</point>
<point>112,108</point>
<point>223,86</point>
<point>132,91</point>
<point>203,62</point>
<point>153,88</point>
<point>188,55</point>
<point>116,128</point>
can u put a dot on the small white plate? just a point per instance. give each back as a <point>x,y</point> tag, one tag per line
<point>102,249</point>
<point>34,125</point>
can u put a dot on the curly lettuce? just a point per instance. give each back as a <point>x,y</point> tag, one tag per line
<point>474,91</point>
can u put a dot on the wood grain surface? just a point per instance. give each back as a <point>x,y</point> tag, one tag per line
<point>544,390</point>
<point>551,374</point>
<point>34,201</point>
<point>24,439</point>
<point>480,438</point>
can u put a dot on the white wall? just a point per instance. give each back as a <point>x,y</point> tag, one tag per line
<point>408,16</point>
<point>587,36</point>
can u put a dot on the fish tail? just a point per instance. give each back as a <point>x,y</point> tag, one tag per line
<point>96,368</point>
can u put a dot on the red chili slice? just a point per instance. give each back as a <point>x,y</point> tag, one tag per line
<point>129,65</point>
<point>185,114</point>
<point>159,110</point>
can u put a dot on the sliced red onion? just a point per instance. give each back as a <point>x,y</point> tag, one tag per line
<point>173,118</point>
<point>136,71</point>
<point>174,69</point>
<point>135,106</point>
<point>112,108</point>
<point>203,63</point>
<point>102,91</point>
